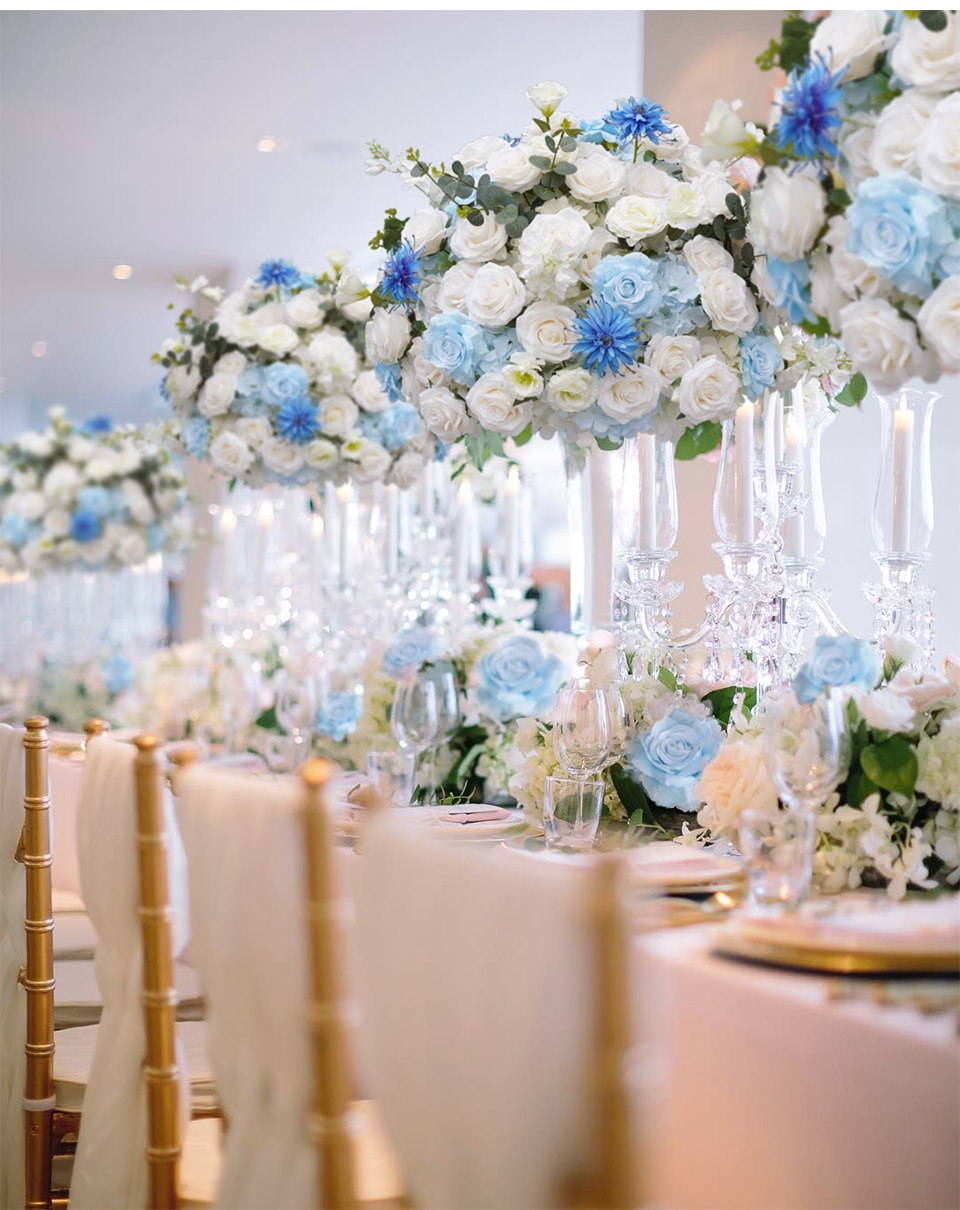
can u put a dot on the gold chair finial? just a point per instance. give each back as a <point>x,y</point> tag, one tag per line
<point>95,726</point>
<point>36,722</point>
<point>146,744</point>
<point>317,772</point>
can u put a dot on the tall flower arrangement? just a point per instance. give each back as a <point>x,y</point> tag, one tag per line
<point>88,496</point>
<point>587,277</point>
<point>274,386</point>
<point>858,207</point>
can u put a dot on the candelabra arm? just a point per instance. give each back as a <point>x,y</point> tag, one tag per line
<point>805,604</point>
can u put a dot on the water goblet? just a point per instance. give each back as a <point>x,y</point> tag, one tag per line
<point>414,718</point>
<point>295,706</point>
<point>582,729</point>
<point>806,748</point>
<point>444,679</point>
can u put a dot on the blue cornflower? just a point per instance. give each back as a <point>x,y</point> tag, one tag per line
<point>401,275</point>
<point>85,525</point>
<point>297,420</point>
<point>634,120</point>
<point>278,273</point>
<point>97,424</point>
<point>608,338</point>
<point>809,112</point>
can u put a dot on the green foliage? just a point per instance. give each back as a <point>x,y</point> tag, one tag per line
<point>934,20</point>
<point>633,796</point>
<point>700,439</point>
<point>482,446</point>
<point>267,721</point>
<point>722,702</point>
<point>667,679</point>
<point>794,46</point>
<point>854,392</point>
<point>891,764</point>
<point>524,436</point>
<point>608,443</point>
<point>392,234</point>
<point>820,328</point>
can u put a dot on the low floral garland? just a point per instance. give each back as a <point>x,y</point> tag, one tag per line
<point>274,387</point>
<point>588,278</point>
<point>857,208</point>
<point>89,496</point>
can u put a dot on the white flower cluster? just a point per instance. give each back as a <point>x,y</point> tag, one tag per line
<point>275,387</point>
<point>90,497</point>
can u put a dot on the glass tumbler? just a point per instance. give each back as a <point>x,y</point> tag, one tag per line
<point>778,849</point>
<point>571,811</point>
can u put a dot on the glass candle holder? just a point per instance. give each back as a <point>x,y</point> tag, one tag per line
<point>803,526</point>
<point>903,506</point>
<point>745,499</point>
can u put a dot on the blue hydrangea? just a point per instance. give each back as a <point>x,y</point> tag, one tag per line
<point>195,436</point>
<point>593,131</point>
<point>629,284</point>
<point>608,339</point>
<point>669,759</point>
<point>900,228</point>
<point>117,673</point>
<point>97,424</point>
<point>250,382</point>
<point>499,347</point>
<point>97,500</point>
<point>85,526</point>
<point>283,382</point>
<point>788,283</point>
<point>278,273</point>
<point>809,108</point>
<point>679,312</point>
<point>409,650</point>
<point>388,376</point>
<point>298,421</point>
<point>337,718</point>
<point>401,275</point>
<point>15,530</point>
<point>155,537</point>
<point>454,344</point>
<point>397,425</point>
<point>837,661</point>
<point>516,679</point>
<point>635,120</point>
<point>760,362</point>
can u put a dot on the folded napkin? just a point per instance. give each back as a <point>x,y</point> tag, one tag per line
<point>487,815</point>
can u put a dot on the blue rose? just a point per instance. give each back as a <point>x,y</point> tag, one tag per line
<point>250,383</point>
<point>516,679</point>
<point>98,500</point>
<point>195,436</point>
<point>669,759</point>
<point>397,425</point>
<point>454,344</point>
<point>388,376</point>
<point>409,650</point>
<point>15,530</point>
<point>339,715</point>
<point>117,673</point>
<point>901,229</point>
<point>629,283</point>
<point>837,661</point>
<point>788,283</point>
<point>85,525</point>
<point>760,362</point>
<point>283,382</point>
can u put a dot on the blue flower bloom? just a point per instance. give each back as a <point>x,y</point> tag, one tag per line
<point>760,362</point>
<point>85,525</point>
<point>117,673</point>
<point>297,421</point>
<point>592,131</point>
<point>155,537</point>
<point>97,424</point>
<point>278,273</point>
<point>669,759</point>
<point>608,338</point>
<point>634,120</point>
<point>401,275</point>
<point>809,112</point>
<point>454,344</point>
<point>250,382</point>
<point>15,530</point>
<point>97,500</point>
<point>499,347</point>
<point>901,229</point>
<point>339,715</point>
<point>409,650</point>
<point>397,425</point>
<point>195,436</point>
<point>789,284</point>
<point>388,376</point>
<point>628,283</point>
<point>283,382</point>
<point>516,679</point>
<point>838,661</point>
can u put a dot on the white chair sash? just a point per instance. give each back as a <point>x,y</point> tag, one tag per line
<point>13,955</point>
<point>110,1169</point>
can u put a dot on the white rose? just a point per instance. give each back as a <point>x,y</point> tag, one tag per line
<point>637,218</point>
<point>278,339</point>
<point>702,254</point>
<point>254,430</point>
<point>137,502</point>
<point>928,59</point>
<point>826,296</point>
<point>546,330</point>
<point>25,481</point>
<point>478,151</point>
<point>229,453</point>
<point>850,40</point>
<point>425,372</point>
<point>366,392</point>
<point>597,245</point>
<point>426,229</point>
<point>454,285</point>
<point>128,458</point>
<point>671,356</point>
<point>599,176</point>
<point>495,296</point>
<point>80,449</point>
<point>338,415</point>
<point>269,314</point>
<point>853,275</point>
<point>492,403</point>
<point>373,463</point>
<point>350,289</point>
<point>281,457</point>
<point>320,454</point>
<point>562,229</point>
<point>727,300</point>
<point>855,144</point>
<point>886,710</point>
<point>481,243</point>
<point>217,395</point>
<point>628,396</point>
<point>939,321</point>
<point>181,384</point>
<point>672,147</point>
<point>357,312</point>
<point>546,96</point>
<point>34,554</point>
<point>131,548</point>
<point>407,469</point>
<point>522,376</point>
<point>61,482</point>
<point>230,363</point>
<point>510,168</point>
<point>103,466</point>
<point>899,127</point>
<point>924,691</point>
<point>333,361</point>
<point>387,335</point>
<point>882,346</point>
<point>444,414</point>
<point>938,151</point>
<point>708,390</point>
<point>56,523</point>
<point>687,207</point>
<point>787,212</point>
<point>571,390</point>
<point>726,136</point>
<point>303,310</point>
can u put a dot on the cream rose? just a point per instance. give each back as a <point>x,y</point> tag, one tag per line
<point>481,243</point>
<point>510,168</point>
<point>131,548</point>
<point>229,453</point>
<point>703,254</point>
<point>727,300</point>
<point>181,384</point>
<point>735,780</point>
<point>80,449</point>
<point>599,176</point>
<point>687,207</point>
<point>407,469</point>
<point>645,180</point>
<point>886,710</point>
<point>850,40</point>
<point>281,457</point>
<point>478,151</point>
<point>924,692</point>
<point>898,130</point>
<point>332,360</point>
<point>454,286</point>
<point>492,403</point>
<point>788,211</point>
<point>321,454</point>
<point>628,396</point>
<point>278,339</point>
<point>303,310</point>
<point>926,58</point>
<point>444,414</point>
<point>672,356</point>
<point>546,331</point>
<point>217,395</point>
<point>708,390</point>
<point>938,149</point>
<point>254,430</point>
<point>856,144</point>
<point>939,321</point>
<point>230,363</point>
<point>637,218</point>
<point>571,390</point>
<point>881,345</point>
<point>373,463</point>
<point>367,393</point>
<point>495,296</point>
<point>338,415</point>
<point>426,229</point>
<point>61,482</point>
<point>387,336</point>
<point>138,504</point>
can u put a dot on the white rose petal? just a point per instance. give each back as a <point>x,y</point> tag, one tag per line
<point>426,230</point>
<point>938,149</point>
<point>702,254</point>
<point>726,136</point>
<point>708,390</point>
<point>855,144</point>
<point>727,300</point>
<point>510,168</point>
<point>939,321</point>
<point>80,449</point>
<point>230,363</point>
<point>367,393</point>
<point>495,296</point>
<point>278,339</point>
<point>454,286</point>
<point>687,207</point>
<point>522,376</point>
<point>444,414</point>
<point>478,151</point>
<point>61,482</point>
<point>304,310</point>
<point>629,396</point>
<point>492,403</point>
<point>882,345</point>
<point>217,395</point>
<point>338,415</point>
<point>787,212</point>
<point>637,218</point>
<point>332,360</point>
<point>229,453</point>
<point>571,390</point>
<point>132,548</point>
<point>254,430</point>
<point>56,523</point>
<point>898,129</point>
<point>672,356</point>
<point>481,243</point>
<point>320,454</point>
<point>850,40</point>
<point>373,463</point>
<point>886,710</point>
<point>281,457</point>
<point>387,335</point>
<point>407,470</point>
<point>926,58</point>
<point>599,176</point>
<point>546,331</point>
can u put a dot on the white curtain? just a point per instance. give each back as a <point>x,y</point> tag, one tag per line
<point>13,955</point>
<point>110,1171</point>
<point>247,890</point>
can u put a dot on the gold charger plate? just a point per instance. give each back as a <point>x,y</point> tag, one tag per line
<point>826,960</point>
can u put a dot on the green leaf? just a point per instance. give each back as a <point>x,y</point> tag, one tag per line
<point>564,168</point>
<point>700,439</point>
<point>541,161</point>
<point>721,702</point>
<point>934,20</point>
<point>457,168</point>
<point>568,144</point>
<point>632,795</point>
<point>820,328</point>
<point>857,788</point>
<point>854,392</point>
<point>840,198</point>
<point>550,142</point>
<point>892,764</point>
<point>267,721</point>
<point>666,677</point>
<point>475,218</point>
<point>608,444</point>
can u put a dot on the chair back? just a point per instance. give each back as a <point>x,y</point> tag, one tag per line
<point>12,965</point>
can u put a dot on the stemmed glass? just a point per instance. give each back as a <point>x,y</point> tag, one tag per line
<point>296,710</point>
<point>414,718</point>
<point>582,730</point>
<point>444,680</point>
<point>807,748</point>
<point>239,687</point>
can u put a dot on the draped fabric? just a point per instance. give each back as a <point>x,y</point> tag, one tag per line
<point>13,955</point>
<point>110,1171</point>
<point>247,889</point>
<point>475,979</point>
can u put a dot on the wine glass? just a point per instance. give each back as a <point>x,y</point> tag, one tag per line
<point>621,727</point>
<point>239,688</point>
<point>806,747</point>
<point>444,679</point>
<point>295,706</point>
<point>582,729</point>
<point>414,718</point>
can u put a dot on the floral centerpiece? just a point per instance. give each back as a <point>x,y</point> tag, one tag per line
<point>588,277</point>
<point>857,207</point>
<point>88,496</point>
<point>895,816</point>
<point>273,387</point>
